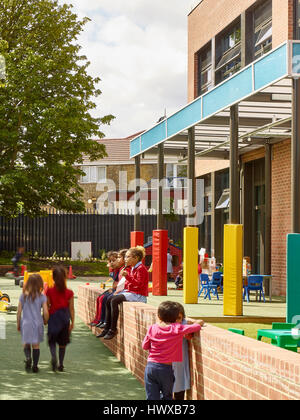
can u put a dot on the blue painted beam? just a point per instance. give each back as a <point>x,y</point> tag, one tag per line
<point>253,78</point>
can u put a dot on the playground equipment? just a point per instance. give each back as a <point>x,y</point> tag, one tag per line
<point>5,305</point>
<point>47,276</point>
<point>13,275</point>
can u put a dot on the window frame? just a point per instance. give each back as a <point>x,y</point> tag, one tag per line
<point>262,19</point>
<point>228,59</point>
<point>88,171</point>
<point>207,68</point>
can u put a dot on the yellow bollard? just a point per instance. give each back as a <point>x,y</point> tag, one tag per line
<point>233,270</point>
<point>190,265</point>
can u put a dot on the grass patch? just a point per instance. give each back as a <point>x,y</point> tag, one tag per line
<point>250,329</point>
<point>80,268</point>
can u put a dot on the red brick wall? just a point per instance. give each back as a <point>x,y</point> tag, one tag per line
<point>223,365</point>
<point>211,17</point>
<point>281,212</point>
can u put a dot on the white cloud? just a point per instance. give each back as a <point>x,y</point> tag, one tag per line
<point>139,50</point>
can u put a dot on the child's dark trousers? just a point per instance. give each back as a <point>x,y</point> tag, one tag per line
<point>159,379</point>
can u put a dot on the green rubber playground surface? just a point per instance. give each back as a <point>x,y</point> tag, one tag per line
<point>91,371</point>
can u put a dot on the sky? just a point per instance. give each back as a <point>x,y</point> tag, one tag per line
<point>139,50</point>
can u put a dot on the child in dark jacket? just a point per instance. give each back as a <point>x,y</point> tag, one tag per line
<point>120,265</point>
<point>114,274</point>
<point>136,289</point>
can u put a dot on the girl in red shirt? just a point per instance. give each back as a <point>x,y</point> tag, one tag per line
<point>61,311</point>
<point>136,289</point>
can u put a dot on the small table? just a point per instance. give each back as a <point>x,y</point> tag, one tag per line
<point>283,338</point>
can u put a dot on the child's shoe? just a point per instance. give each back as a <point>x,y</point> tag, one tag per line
<point>54,365</point>
<point>60,368</point>
<point>111,334</point>
<point>35,369</point>
<point>103,334</point>
<point>101,325</point>
<point>28,364</point>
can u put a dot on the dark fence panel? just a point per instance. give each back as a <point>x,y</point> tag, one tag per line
<point>55,232</point>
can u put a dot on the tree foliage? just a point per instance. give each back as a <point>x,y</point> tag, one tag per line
<point>46,99</point>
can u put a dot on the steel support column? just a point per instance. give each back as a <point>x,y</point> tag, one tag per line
<point>268,172</point>
<point>191,193</point>
<point>137,215</point>
<point>160,177</point>
<point>234,209</point>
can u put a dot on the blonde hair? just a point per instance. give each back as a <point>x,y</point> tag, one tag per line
<point>138,251</point>
<point>33,287</point>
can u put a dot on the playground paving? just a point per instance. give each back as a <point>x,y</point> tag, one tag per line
<point>92,372</point>
<point>214,308</point>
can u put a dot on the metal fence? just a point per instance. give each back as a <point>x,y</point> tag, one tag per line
<point>56,231</point>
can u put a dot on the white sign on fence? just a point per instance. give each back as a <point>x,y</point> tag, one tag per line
<point>81,250</point>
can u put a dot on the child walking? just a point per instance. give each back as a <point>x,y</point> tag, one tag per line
<point>30,322</point>
<point>61,311</point>
<point>135,290</point>
<point>164,342</point>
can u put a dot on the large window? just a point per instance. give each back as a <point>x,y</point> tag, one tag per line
<point>263,29</point>
<point>228,52</point>
<point>93,174</point>
<point>204,70</point>
<point>176,175</point>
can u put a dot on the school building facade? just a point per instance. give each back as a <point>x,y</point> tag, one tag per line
<point>233,35</point>
<point>240,126</point>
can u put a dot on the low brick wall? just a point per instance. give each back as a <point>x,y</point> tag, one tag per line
<point>4,269</point>
<point>223,365</point>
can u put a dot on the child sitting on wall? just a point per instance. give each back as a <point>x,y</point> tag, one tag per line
<point>135,290</point>
<point>113,273</point>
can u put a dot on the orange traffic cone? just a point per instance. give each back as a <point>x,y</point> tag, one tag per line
<point>70,275</point>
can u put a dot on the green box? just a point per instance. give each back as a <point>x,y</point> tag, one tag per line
<point>293,278</point>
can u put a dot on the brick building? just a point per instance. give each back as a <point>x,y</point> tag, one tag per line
<point>239,125</point>
<point>108,184</point>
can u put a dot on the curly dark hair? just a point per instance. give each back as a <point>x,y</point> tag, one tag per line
<point>169,311</point>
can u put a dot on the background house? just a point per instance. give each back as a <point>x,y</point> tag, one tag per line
<point>108,184</point>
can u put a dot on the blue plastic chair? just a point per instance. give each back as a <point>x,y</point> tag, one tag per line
<point>217,280</point>
<point>255,282</point>
<point>207,286</point>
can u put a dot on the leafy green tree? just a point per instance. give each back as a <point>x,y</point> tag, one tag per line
<point>46,99</point>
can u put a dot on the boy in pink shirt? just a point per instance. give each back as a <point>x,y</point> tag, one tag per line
<point>164,342</point>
